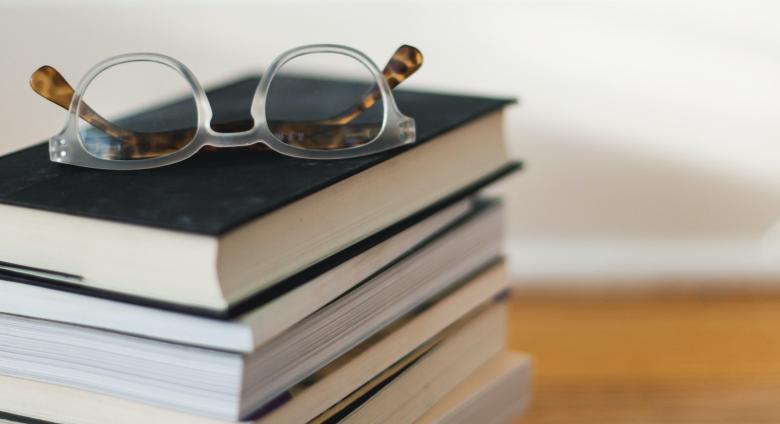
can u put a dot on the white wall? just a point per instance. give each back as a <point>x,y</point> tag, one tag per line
<point>649,127</point>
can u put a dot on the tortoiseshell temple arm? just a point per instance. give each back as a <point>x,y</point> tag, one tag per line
<point>51,85</point>
<point>405,61</point>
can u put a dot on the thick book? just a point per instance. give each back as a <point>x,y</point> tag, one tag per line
<point>221,227</point>
<point>405,341</point>
<point>290,302</point>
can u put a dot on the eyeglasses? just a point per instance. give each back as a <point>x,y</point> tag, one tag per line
<point>295,115</point>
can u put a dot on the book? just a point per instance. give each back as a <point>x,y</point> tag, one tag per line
<point>287,305</point>
<point>231,385</point>
<point>211,232</point>
<point>496,393</point>
<point>20,399</point>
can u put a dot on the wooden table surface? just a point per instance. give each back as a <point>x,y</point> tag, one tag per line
<point>650,359</point>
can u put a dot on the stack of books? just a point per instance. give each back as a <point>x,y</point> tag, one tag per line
<point>244,286</point>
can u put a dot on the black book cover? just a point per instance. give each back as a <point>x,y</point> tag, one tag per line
<point>212,193</point>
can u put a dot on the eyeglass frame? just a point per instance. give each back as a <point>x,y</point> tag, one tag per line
<point>397,129</point>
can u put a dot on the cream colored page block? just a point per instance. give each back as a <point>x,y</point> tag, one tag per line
<point>147,274</point>
<point>418,388</point>
<point>328,286</point>
<point>496,393</point>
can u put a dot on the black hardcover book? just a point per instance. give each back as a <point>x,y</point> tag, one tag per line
<point>222,226</point>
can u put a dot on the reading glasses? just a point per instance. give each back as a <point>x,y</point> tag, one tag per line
<point>291,113</point>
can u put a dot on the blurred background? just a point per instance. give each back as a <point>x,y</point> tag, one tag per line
<point>649,131</point>
<point>648,127</point>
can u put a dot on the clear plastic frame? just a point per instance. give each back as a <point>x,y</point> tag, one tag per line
<point>68,147</point>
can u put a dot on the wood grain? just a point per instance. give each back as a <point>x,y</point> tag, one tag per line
<point>650,359</point>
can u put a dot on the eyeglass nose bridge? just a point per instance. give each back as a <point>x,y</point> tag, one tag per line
<point>231,139</point>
